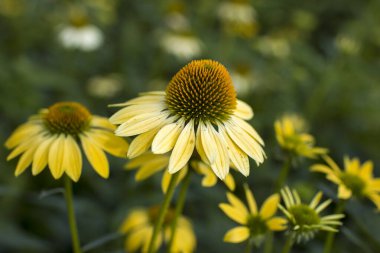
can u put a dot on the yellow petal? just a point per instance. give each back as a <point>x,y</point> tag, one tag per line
<point>135,219</point>
<point>250,199</point>
<point>209,179</point>
<point>277,224</point>
<point>40,158</point>
<point>243,110</point>
<point>375,198</point>
<point>141,143</point>
<point>129,112</point>
<point>366,170</point>
<point>183,149</point>
<point>56,156</point>
<point>351,166</point>
<point>166,138</point>
<point>25,159</point>
<point>233,213</point>
<point>269,207</point>
<point>151,167</point>
<point>344,192</point>
<point>22,133</point>
<point>199,146</point>
<point>142,159</point>
<point>230,182</point>
<point>167,177</point>
<point>137,238</point>
<point>317,198</point>
<point>109,142</point>
<point>24,146</point>
<point>236,203</point>
<point>72,162</point>
<point>332,164</point>
<point>236,235</point>
<point>101,122</point>
<point>95,156</point>
<point>206,140</point>
<point>247,128</point>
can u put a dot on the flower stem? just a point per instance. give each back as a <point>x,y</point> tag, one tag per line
<point>268,245</point>
<point>179,208</point>
<point>249,247</point>
<point>284,173</point>
<point>331,235</point>
<point>71,215</point>
<point>288,244</point>
<point>164,208</point>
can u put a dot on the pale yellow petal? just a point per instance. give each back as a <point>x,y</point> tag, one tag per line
<point>101,122</point>
<point>129,112</point>
<point>250,199</point>
<point>24,146</point>
<point>344,192</point>
<point>199,146</point>
<point>269,208</point>
<point>95,156</point>
<point>209,178</point>
<point>237,235</point>
<point>167,177</point>
<point>151,167</point>
<point>247,128</point>
<point>243,110</point>
<point>234,214</point>
<point>141,123</point>
<point>206,139</point>
<point>142,159</point>
<point>277,224</point>
<point>167,137</point>
<point>72,162</point>
<point>107,141</point>
<point>40,158</point>
<point>26,158</point>
<point>317,198</point>
<point>141,143</point>
<point>183,148</point>
<point>56,156</point>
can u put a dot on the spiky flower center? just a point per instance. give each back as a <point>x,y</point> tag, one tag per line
<point>354,183</point>
<point>68,118</point>
<point>304,215</point>
<point>202,90</point>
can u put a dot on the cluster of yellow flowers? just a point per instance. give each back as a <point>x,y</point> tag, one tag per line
<point>196,125</point>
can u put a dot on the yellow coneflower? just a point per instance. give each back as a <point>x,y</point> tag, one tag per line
<point>138,227</point>
<point>52,138</point>
<point>149,164</point>
<point>356,180</point>
<point>198,110</point>
<point>254,223</point>
<point>290,134</point>
<point>304,221</point>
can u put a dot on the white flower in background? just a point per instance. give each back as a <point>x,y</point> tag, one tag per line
<point>347,44</point>
<point>177,21</point>
<point>87,37</point>
<point>238,18</point>
<point>182,46</point>
<point>104,86</point>
<point>274,46</point>
<point>243,80</point>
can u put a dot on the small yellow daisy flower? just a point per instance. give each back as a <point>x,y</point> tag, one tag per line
<point>290,134</point>
<point>52,138</point>
<point>254,223</point>
<point>139,224</point>
<point>149,164</point>
<point>356,179</point>
<point>304,221</point>
<point>198,110</point>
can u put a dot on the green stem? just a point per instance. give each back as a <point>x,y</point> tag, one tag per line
<point>179,208</point>
<point>268,245</point>
<point>284,173</point>
<point>331,235</point>
<point>288,244</point>
<point>71,215</point>
<point>249,247</point>
<point>164,208</point>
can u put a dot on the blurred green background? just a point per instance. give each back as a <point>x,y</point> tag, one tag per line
<point>320,59</point>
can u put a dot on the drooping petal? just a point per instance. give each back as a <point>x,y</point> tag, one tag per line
<point>151,167</point>
<point>23,132</point>
<point>277,224</point>
<point>243,110</point>
<point>135,219</point>
<point>183,148</point>
<point>237,235</point>
<point>167,137</point>
<point>95,156</point>
<point>109,142</point>
<point>230,182</point>
<point>101,122</point>
<point>141,143</point>
<point>56,156</point>
<point>72,162</point>
<point>40,158</point>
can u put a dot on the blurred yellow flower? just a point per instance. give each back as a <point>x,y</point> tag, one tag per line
<point>198,110</point>
<point>254,223</point>
<point>356,179</point>
<point>138,227</point>
<point>51,138</point>
<point>290,134</point>
<point>149,164</point>
<point>304,221</point>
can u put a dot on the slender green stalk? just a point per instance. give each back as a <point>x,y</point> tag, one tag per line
<point>249,247</point>
<point>71,215</point>
<point>163,209</point>
<point>331,235</point>
<point>284,173</point>
<point>288,244</point>
<point>179,208</point>
<point>268,245</point>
